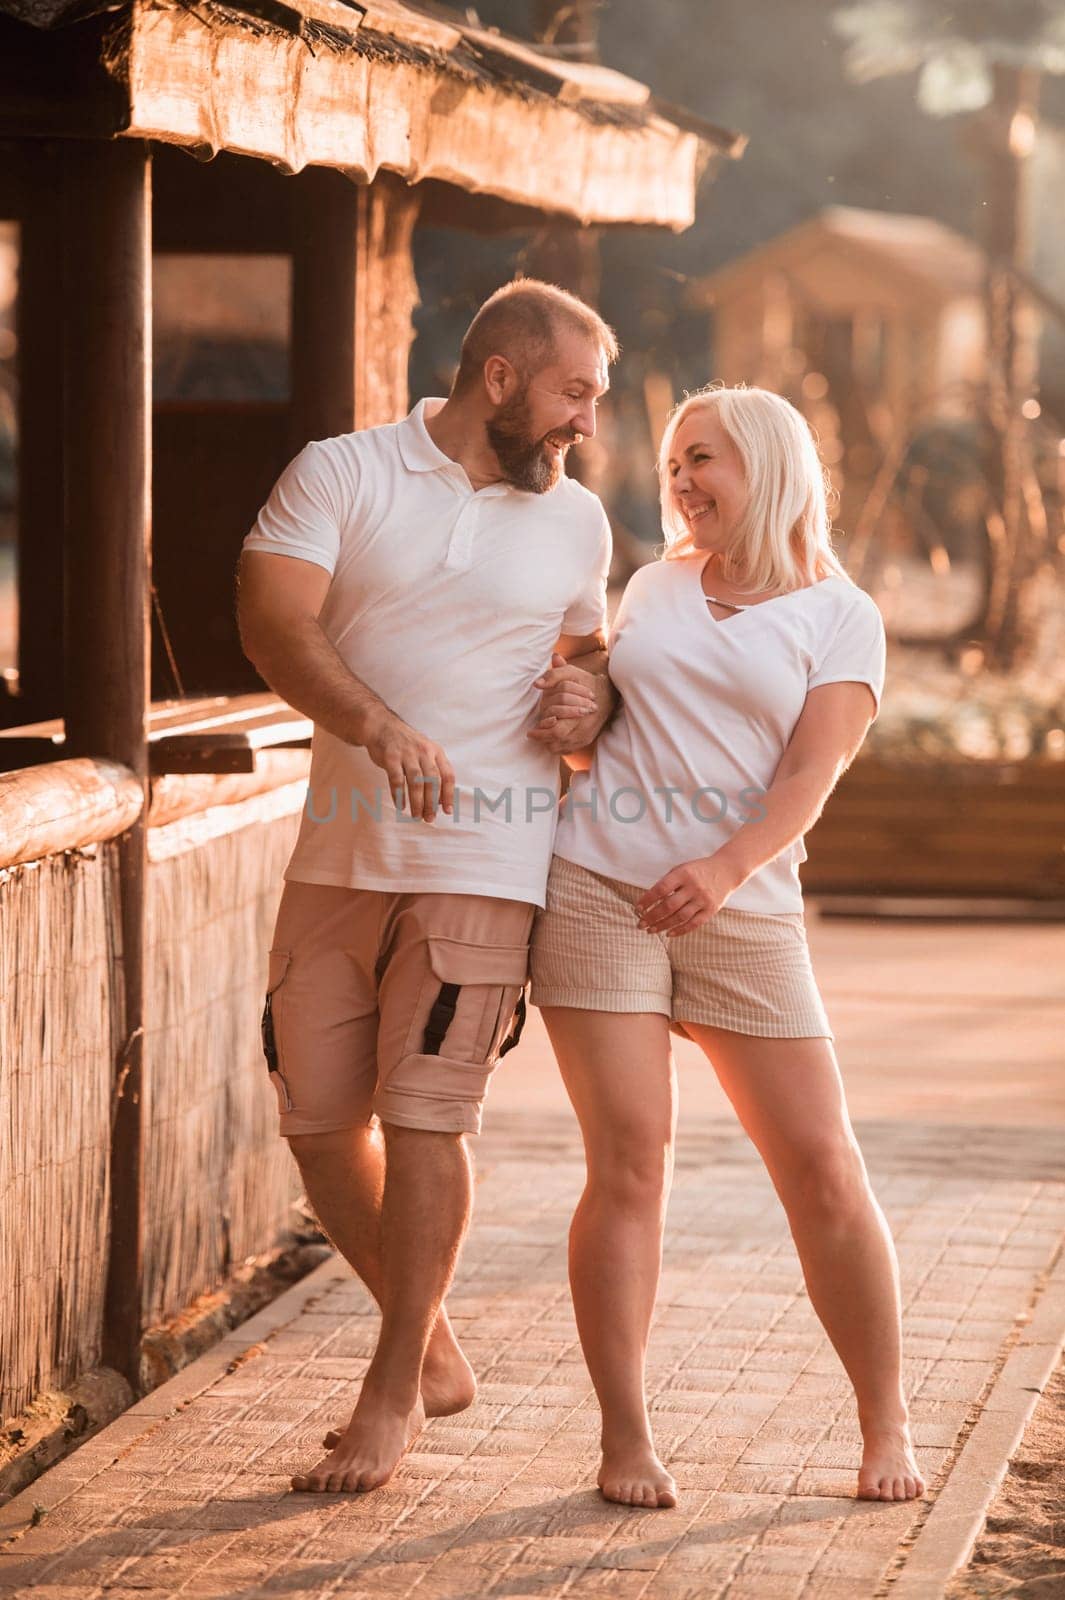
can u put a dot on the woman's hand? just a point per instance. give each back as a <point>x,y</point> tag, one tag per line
<point>574,706</point>
<point>567,691</point>
<point>686,897</point>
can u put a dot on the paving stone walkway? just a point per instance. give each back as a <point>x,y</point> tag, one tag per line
<point>188,1492</point>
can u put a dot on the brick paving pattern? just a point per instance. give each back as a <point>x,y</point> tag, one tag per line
<point>751,1408</point>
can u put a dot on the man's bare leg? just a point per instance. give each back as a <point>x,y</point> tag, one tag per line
<point>344,1176</point>
<point>425,1211</point>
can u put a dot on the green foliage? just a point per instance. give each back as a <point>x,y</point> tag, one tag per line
<point>952,46</point>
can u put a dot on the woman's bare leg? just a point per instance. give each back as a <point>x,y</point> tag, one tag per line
<point>620,1077</point>
<point>789,1097</point>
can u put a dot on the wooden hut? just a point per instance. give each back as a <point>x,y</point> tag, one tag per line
<point>142,838</point>
<point>884,309</point>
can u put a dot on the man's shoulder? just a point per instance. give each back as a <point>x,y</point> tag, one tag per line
<point>360,442</point>
<point>580,501</point>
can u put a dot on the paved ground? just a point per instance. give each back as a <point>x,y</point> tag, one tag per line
<point>951,1043</point>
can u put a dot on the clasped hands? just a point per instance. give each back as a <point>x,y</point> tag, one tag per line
<point>574,706</point>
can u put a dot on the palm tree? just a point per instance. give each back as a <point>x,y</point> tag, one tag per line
<point>985,57</point>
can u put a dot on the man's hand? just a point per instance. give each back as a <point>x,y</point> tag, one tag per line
<point>568,691</point>
<point>686,898</point>
<point>419,773</point>
<point>574,706</point>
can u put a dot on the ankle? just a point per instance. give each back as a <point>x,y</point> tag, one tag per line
<point>885,1419</point>
<point>626,1438</point>
<point>385,1393</point>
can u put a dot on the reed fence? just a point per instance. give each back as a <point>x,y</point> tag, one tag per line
<point>217,1180</point>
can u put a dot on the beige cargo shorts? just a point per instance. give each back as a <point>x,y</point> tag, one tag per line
<point>397,1005</point>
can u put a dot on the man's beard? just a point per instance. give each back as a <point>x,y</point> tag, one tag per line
<point>528,463</point>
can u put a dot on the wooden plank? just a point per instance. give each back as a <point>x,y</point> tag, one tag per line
<point>216,733</point>
<point>16,752</point>
<point>106,308</point>
<point>971,828</point>
<point>177,795</point>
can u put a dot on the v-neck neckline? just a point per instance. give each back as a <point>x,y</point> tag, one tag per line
<point>723,622</point>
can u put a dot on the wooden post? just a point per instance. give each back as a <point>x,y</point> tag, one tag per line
<point>1011,357</point>
<point>386,294</point>
<point>353,298</point>
<point>40,468</point>
<point>324,250</point>
<point>107,377</point>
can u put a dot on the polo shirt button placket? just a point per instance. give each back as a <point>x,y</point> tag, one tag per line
<point>460,545</point>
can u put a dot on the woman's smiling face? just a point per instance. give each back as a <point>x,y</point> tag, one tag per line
<point>707,480</point>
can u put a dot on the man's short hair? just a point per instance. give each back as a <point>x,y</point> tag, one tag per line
<point>522,321</point>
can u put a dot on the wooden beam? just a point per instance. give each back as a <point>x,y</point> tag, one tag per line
<point>325,232</point>
<point>64,806</point>
<point>107,316</point>
<point>386,296</point>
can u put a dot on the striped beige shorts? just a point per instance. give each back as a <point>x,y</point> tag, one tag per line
<point>743,970</point>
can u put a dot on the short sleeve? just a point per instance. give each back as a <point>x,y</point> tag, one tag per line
<point>586,613</point>
<point>306,511</point>
<point>856,651</point>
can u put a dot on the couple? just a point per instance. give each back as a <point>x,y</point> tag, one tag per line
<point>406,587</point>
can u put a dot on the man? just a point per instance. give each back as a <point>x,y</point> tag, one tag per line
<point>406,587</point>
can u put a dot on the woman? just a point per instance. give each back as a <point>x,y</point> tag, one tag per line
<point>750,668</point>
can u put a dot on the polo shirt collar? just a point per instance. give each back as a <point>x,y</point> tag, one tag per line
<point>419,452</point>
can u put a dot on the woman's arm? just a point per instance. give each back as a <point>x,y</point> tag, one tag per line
<point>826,738</point>
<point>577,678</point>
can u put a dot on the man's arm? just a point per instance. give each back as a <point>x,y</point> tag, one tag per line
<point>278,602</point>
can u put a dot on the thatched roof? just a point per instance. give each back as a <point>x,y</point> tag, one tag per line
<point>417,91</point>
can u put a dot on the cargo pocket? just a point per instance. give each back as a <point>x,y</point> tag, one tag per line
<point>279,963</point>
<point>479,1000</point>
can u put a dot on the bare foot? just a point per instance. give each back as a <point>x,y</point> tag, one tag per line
<point>448,1383</point>
<point>635,1477</point>
<point>368,1451</point>
<point>889,1469</point>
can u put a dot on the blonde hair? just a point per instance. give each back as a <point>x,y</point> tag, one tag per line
<point>784,538</point>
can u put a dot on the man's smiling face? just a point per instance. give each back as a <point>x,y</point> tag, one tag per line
<point>551,410</point>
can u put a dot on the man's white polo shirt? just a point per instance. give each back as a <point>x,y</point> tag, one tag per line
<point>447,603</point>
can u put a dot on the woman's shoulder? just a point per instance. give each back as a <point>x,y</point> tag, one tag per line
<point>659,573</point>
<point>841,597</point>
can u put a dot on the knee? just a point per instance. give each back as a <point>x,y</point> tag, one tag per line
<point>632,1174</point>
<point>828,1181</point>
<point>322,1150</point>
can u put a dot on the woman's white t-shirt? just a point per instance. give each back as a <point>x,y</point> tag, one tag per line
<point>708,708</point>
